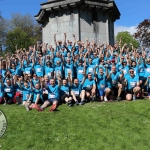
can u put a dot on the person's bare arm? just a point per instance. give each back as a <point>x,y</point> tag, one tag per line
<point>55,39</point>
<point>74,40</point>
<point>59,80</point>
<point>65,35</point>
<point>147,81</point>
<point>69,78</point>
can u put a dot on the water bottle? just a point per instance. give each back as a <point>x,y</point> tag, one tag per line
<point>134,98</point>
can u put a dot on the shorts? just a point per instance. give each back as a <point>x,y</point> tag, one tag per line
<point>143,81</point>
<point>51,100</point>
<point>149,92</point>
<point>9,100</point>
<point>45,97</point>
<point>114,91</point>
<point>129,91</point>
<point>101,92</point>
<point>87,90</point>
<point>39,102</point>
<point>142,78</point>
<point>78,98</point>
<point>65,96</point>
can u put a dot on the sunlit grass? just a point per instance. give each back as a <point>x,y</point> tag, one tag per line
<point>94,126</point>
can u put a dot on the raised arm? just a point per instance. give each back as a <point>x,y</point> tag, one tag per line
<point>84,73</point>
<point>74,40</point>
<point>65,35</point>
<point>55,39</point>
<point>59,80</point>
<point>69,79</point>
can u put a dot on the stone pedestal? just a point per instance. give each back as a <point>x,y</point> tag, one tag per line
<point>92,19</point>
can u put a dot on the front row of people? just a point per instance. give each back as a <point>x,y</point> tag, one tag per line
<point>102,86</point>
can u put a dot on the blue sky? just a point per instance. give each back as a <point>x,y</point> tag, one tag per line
<point>132,11</point>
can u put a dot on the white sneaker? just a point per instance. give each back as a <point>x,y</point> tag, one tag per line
<point>105,99</point>
<point>27,107</point>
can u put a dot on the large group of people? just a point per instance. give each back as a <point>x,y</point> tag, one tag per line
<point>73,73</point>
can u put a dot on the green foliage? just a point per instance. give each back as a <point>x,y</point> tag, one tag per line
<point>143,33</point>
<point>127,38</point>
<point>96,126</point>
<point>22,31</point>
<point>3,27</point>
<point>18,37</point>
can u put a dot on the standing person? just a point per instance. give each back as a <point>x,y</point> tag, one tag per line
<point>58,69</point>
<point>68,68</point>
<point>90,67</point>
<point>1,89</point>
<point>28,68</point>
<point>49,69</point>
<point>2,67</point>
<point>35,80</point>
<point>38,67</point>
<point>80,69</point>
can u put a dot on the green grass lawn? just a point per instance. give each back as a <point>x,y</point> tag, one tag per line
<point>94,126</point>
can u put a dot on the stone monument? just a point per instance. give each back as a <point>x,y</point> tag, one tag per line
<point>92,19</point>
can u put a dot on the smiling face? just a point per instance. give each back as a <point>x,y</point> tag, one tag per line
<point>26,84</point>
<point>8,82</point>
<point>64,82</point>
<point>133,64</point>
<point>13,66</point>
<point>131,71</point>
<point>90,60</point>
<point>89,76</point>
<point>113,69</point>
<point>101,71</point>
<point>52,82</point>
<point>76,82</point>
<point>37,86</point>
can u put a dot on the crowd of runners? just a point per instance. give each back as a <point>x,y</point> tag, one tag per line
<point>73,72</point>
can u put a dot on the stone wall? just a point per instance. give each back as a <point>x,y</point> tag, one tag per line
<point>78,22</point>
<point>60,23</point>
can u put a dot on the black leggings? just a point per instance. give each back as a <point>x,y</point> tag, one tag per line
<point>45,97</point>
<point>9,100</point>
<point>65,96</point>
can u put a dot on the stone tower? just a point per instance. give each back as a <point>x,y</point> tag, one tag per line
<point>92,19</point>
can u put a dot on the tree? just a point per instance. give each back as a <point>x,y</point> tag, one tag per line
<point>143,33</point>
<point>19,38</point>
<point>27,23</point>
<point>3,27</point>
<point>23,31</point>
<point>127,38</point>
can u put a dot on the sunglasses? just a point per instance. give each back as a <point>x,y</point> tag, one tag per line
<point>131,71</point>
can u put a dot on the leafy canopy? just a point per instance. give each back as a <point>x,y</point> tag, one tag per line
<point>127,38</point>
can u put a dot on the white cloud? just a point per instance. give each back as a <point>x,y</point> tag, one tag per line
<point>131,29</point>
